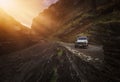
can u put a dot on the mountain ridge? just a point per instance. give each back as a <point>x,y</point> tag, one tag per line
<point>13,35</point>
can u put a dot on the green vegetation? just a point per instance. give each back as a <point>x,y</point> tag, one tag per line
<point>111,17</point>
<point>76,20</point>
<point>54,76</point>
<point>60,52</point>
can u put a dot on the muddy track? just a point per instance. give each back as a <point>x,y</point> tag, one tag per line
<point>86,71</point>
<point>93,54</point>
<point>47,63</point>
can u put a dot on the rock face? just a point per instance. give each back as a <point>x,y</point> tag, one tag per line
<point>112,50</point>
<point>108,34</point>
<point>13,35</point>
<point>67,18</point>
<point>51,19</point>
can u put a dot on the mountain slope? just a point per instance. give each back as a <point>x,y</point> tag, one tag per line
<point>99,19</point>
<point>67,19</point>
<point>53,17</point>
<point>13,35</point>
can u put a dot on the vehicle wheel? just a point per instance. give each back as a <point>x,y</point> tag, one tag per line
<point>85,47</point>
<point>75,46</point>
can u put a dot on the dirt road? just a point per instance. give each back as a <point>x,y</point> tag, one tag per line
<point>49,63</point>
<point>93,54</point>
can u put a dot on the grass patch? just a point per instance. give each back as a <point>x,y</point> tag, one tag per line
<point>54,76</point>
<point>60,52</point>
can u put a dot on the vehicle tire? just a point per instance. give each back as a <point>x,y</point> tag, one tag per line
<point>76,46</point>
<point>85,47</point>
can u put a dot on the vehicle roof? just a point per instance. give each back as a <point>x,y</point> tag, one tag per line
<point>82,37</point>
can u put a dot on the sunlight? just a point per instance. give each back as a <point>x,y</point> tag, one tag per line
<point>6,4</point>
<point>19,11</point>
<point>24,10</point>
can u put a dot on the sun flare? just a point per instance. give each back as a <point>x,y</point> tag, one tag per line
<point>6,4</point>
<point>24,10</point>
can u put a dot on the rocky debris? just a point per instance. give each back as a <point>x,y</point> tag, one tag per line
<point>112,50</point>
<point>92,55</point>
<point>47,63</point>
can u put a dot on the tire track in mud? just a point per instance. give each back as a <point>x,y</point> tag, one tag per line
<point>86,54</point>
<point>39,67</point>
<point>51,63</point>
<point>14,67</point>
<point>86,71</point>
<point>76,69</point>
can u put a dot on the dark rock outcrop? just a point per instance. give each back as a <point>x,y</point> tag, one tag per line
<point>108,35</point>
<point>111,42</point>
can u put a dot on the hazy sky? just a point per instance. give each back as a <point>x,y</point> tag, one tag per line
<point>25,10</point>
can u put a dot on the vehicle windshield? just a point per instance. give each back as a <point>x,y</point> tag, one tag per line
<point>82,38</point>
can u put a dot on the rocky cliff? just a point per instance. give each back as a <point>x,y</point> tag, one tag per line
<point>70,18</point>
<point>108,34</point>
<point>99,19</point>
<point>51,19</point>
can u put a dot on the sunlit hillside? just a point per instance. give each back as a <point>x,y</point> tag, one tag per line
<point>13,35</point>
<point>69,20</point>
